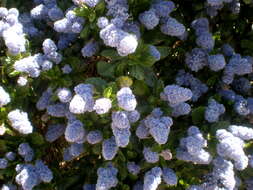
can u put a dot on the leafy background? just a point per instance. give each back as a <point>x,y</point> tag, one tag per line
<point>108,72</point>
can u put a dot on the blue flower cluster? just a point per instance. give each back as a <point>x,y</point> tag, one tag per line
<point>188,80</point>
<point>213,111</point>
<point>107,178</point>
<point>191,148</point>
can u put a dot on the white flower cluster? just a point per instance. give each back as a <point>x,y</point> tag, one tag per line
<point>102,105</point>
<point>20,121</point>
<point>83,100</point>
<point>4,97</point>
<point>231,144</point>
<point>126,99</point>
<point>12,31</point>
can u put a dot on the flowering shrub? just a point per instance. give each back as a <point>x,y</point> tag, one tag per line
<point>126,94</point>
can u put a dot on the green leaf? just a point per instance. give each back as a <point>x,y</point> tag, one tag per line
<point>108,92</point>
<point>37,138</point>
<point>247,1</point>
<point>140,88</point>
<point>92,16</point>
<point>120,68</point>
<point>85,32</point>
<point>98,83</point>
<point>198,114</point>
<point>82,11</point>
<point>137,72</point>
<point>105,69</point>
<point>100,7</point>
<point>111,54</point>
<point>164,51</point>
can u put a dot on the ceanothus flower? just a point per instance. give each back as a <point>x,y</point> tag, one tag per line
<point>121,135</point>
<point>159,128</point>
<point>107,178</point>
<point>241,106</point>
<point>3,163</point>
<point>22,81</point>
<point>150,156</point>
<point>133,116</point>
<point>196,59</point>
<point>227,50</point>
<point>127,45</point>
<point>231,147</point>
<point>20,121</point>
<point>9,186</point>
<point>242,85</point>
<point>89,187</point>
<point>149,19</point>
<point>29,65</point>
<point>142,132</point>
<point>188,80</point>
<point>64,95</point>
<point>120,119</point>
<point>216,62</point>
<point>133,168</point>
<point>181,109</point>
<point>10,156</point>
<point>169,176</point>
<point>126,99</point>
<point>44,101</point>
<point>44,173</point>
<point>75,131</point>
<point>200,25</point>
<point>175,94</point>
<point>4,97</point>
<point>205,41</point>
<point>26,152</point>
<point>90,49</point>
<point>244,133</point>
<point>75,149</point>
<point>102,22</point>
<point>27,177</point>
<point>213,111</point>
<point>54,132</point>
<point>94,137</point>
<point>191,148</point>
<point>102,105</point>
<point>172,27</point>
<point>154,52</point>
<point>152,178</point>
<point>57,110</point>
<point>109,148</point>
<point>163,8</point>
<point>49,46</point>
<point>66,69</point>
<point>81,103</point>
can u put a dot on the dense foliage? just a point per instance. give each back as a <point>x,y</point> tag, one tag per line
<point>126,94</point>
